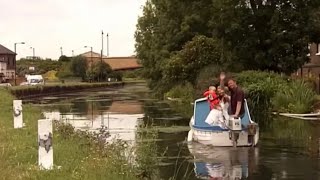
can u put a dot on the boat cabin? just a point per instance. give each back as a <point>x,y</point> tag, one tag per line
<point>202,110</point>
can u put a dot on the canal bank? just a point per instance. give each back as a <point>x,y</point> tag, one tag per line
<point>76,155</point>
<point>46,90</point>
<point>288,147</point>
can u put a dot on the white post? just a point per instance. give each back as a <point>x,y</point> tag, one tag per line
<point>45,154</point>
<point>17,114</point>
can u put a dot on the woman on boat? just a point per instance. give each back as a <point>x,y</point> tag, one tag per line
<point>218,115</point>
<point>224,100</point>
<point>215,117</point>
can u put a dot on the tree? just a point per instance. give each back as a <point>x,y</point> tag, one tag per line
<point>164,28</point>
<point>195,55</point>
<point>250,35</point>
<point>266,35</point>
<point>100,71</point>
<point>64,58</point>
<point>41,66</point>
<point>79,66</point>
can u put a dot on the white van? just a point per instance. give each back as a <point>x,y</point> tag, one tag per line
<point>35,80</point>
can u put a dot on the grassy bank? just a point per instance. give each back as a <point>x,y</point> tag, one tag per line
<point>78,155</point>
<point>29,91</point>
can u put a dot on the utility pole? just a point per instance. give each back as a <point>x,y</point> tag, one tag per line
<point>107,44</point>
<point>15,62</point>
<point>33,52</point>
<point>100,68</point>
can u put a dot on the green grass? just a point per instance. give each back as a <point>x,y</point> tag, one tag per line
<point>76,152</point>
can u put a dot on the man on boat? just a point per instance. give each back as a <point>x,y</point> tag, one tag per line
<point>237,99</point>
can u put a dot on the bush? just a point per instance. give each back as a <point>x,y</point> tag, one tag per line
<point>298,97</point>
<point>260,87</point>
<point>184,92</point>
<point>207,76</point>
<point>137,73</point>
<point>270,91</point>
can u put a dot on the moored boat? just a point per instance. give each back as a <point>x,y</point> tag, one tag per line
<point>239,132</point>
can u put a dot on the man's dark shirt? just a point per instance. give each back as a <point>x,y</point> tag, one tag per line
<point>237,94</point>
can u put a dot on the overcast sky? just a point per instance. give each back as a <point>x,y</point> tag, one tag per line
<point>48,25</point>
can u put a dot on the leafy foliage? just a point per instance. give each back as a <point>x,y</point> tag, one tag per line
<point>296,98</point>
<point>184,92</point>
<point>65,70</point>
<point>260,87</point>
<point>187,63</point>
<point>240,35</point>
<point>41,66</point>
<point>64,58</point>
<point>270,91</point>
<point>100,71</point>
<point>207,76</point>
<point>79,66</point>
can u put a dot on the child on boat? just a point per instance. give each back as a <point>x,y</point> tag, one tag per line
<point>213,99</point>
<point>218,108</point>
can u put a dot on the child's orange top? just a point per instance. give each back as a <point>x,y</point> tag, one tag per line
<point>212,98</point>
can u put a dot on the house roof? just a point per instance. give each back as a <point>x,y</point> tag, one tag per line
<point>94,55</point>
<point>122,63</point>
<point>116,63</point>
<point>4,50</point>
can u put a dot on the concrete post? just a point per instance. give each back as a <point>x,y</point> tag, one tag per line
<point>45,153</point>
<point>17,114</point>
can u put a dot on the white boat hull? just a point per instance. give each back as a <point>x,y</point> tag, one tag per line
<point>221,138</point>
<point>202,132</point>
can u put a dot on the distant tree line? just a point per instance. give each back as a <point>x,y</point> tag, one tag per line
<point>176,40</point>
<point>67,67</point>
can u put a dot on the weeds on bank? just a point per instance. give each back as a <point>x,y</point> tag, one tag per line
<point>78,154</point>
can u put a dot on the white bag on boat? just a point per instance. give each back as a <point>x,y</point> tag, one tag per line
<point>215,118</point>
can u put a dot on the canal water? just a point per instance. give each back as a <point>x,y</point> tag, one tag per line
<point>288,148</point>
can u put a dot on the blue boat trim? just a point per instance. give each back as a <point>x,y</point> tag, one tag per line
<point>211,128</point>
<point>202,109</point>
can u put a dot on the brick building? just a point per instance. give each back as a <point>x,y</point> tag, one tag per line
<point>7,64</point>
<point>311,70</point>
<point>116,63</point>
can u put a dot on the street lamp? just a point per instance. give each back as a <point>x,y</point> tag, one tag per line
<point>15,62</point>
<point>33,52</point>
<point>90,56</point>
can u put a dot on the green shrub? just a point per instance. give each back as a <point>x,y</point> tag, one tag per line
<point>136,74</point>
<point>207,76</point>
<point>298,97</point>
<point>260,87</point>
<point>184,92</point>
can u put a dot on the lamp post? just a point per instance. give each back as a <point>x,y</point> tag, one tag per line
<point>107,44</point>
<point>15,62</point>
<point>90,56</point>
<point>33,52</point>
<point>101,57</point>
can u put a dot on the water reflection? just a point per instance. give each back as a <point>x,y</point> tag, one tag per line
<point>223,163</point>
<point>289,149</point>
